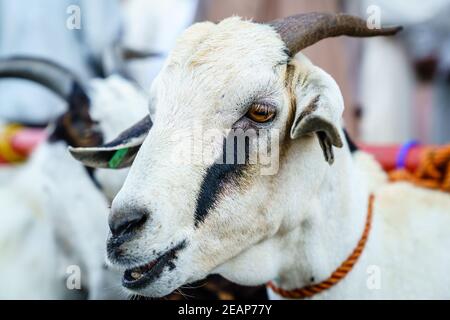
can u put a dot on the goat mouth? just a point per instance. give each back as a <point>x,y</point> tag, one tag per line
<point>141,276</point>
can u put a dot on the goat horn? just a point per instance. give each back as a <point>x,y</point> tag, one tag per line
<point>303,30</point>
<point>133,54</point>
<point>49,74</point>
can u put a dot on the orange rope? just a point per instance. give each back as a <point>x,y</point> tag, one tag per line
<point>433,171</point>
<point>338,274</point>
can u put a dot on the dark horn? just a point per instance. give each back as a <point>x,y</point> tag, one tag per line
<point>75,126</point>
<point>303,30</point>
<point>133,54</point>
<point>49,74</point>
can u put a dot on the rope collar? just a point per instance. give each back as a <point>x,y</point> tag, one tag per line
<point>338,274</point>
<point>432,172</point>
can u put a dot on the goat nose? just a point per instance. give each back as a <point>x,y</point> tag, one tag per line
<point>124,222</point>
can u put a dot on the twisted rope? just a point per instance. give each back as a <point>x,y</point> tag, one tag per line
<point>433,171</point>
<point>338,274</point>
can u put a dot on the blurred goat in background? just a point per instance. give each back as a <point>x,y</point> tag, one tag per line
<point>405,82</point>
<point>130,37</point>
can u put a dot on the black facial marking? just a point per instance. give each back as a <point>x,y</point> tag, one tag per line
<point>351,144</point>
<point>217,177</point>
<point>171,265</point>
<point>114,251</point>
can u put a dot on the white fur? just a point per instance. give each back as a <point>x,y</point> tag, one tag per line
<point>7,172</point>
<point>294,227</point>
<point>53,216</point>
<point>119,104</point>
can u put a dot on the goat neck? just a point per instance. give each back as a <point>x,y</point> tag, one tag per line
<point>329,231</point>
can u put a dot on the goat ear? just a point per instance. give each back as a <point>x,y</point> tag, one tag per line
<point>118,153</point>
<point>318,111</point>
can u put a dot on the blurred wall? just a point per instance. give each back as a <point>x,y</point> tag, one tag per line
<point>405,80</point>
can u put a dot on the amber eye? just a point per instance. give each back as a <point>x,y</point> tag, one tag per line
<point>260,113</point>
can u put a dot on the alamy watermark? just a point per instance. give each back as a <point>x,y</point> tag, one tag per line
<point>373,17</point>
<point>373,281</point>
<point>73,21</point>
<point>228,147</point>
<point>73,281</point>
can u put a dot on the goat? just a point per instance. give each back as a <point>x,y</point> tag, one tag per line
<point>98,49</point>
<point>53,213</point>
<point>39,29</point>
<point>174,222</point>
<point>146,30</point>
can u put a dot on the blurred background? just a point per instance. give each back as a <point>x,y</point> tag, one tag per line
<point>395,89</point>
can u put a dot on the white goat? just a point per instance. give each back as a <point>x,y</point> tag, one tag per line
<point>175,223</point>
<point>39,29</point>
<point>53,215</point>
<point>147,29</point>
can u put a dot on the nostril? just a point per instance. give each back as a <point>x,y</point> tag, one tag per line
<point>121,223</point>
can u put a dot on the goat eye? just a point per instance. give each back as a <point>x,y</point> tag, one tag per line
<point>260,113</point>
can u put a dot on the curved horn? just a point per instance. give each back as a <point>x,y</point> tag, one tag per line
<point>118,153</point>
<point>303,30</point>
<point>49,74</point>
<point>75,126</point>
<point>133,54</point>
